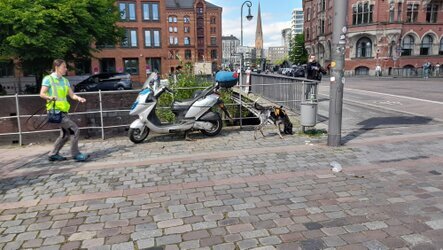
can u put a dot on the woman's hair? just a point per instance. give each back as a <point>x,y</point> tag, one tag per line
<point>57,63</point>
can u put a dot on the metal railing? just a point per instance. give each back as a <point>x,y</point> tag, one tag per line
<point>286,91</point>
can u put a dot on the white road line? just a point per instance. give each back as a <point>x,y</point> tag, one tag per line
<point>398,96</point>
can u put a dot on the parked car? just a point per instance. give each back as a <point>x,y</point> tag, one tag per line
<point>105,81</point>
<point>298,70</point>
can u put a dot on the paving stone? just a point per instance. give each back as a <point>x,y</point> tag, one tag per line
<point>93,243</point>
<point>147,243</point>
<point>435,224</point>
<point>375,225</point>
<point>146,234</point>
<point>123,246</point>
<point>333,241</point>
<point>26,236</point>
<point>54,240</point>
<point>415,239</point>
<point>82,236</point>
<point>271,240</point>
<point>224,246</point>
<point>246,244</point>
<point>169,239</point>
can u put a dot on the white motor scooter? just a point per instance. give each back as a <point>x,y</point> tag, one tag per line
<point>192,114</point>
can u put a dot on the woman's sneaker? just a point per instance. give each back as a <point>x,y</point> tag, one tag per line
<point>81,157</point>
<point>56,157</point>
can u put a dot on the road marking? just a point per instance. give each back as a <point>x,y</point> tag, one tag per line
<point>398,96</point>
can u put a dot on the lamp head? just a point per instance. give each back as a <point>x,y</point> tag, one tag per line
<point>249,16</point>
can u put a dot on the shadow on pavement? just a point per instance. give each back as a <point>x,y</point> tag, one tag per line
<point>379,122</point>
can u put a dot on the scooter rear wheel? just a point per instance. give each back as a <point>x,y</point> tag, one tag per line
<point>137,136</point>
<point>218,124</point>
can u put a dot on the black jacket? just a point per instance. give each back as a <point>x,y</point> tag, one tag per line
<point>314,70</point>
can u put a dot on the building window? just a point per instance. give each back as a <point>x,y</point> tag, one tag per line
<point>426,46</point>
<point>213,40</point>
<point>440,51</point>
<point>364,47</point>
<point>362,13</point>
<point>130,40</point>
<point>172,19</point>
<point>187,29</point>
<point>308,14</point>
<point>6,68</point>
<point>307,34</point>
<point>391,12</point>
<point>362,71</point>
<point>187,40</point>
<point>173,40</point>
<point>214,54</point>
<point>152,38</point>
<point>153,65</point>
<point>173,29</point>
<point>107,65</point>
<point>431,13</point>
<point>213,30</point>
<point>213,20</point>
<point>322,5</point>
<point>322,26</point>
<point>399,12</point>
<point>412,13</point>
<point>188,54</point>
<point>127,11</point>
<point>150,12</point>
<point>407,45</point>
<point>131,65</point>
<point>187,19</point>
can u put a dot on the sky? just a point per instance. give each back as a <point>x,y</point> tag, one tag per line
<point>275,14</point>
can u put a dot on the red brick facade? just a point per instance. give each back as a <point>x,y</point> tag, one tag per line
<point>391,33</point>
<point>196,20</point>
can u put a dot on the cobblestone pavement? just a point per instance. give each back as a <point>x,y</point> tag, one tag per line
<point>229,192</point>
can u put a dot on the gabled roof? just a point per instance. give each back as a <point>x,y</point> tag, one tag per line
<point>186,4</point>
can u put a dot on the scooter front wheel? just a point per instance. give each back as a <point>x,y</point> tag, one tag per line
<point>137,135</point>
<point>218,124</point>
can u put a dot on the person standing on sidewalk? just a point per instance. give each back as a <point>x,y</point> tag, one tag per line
<point>378,70</point>
<point>314,69</point>
<point>55,89</point>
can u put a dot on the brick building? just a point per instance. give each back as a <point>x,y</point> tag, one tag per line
<point>160,34</point>
<point>392,33</point>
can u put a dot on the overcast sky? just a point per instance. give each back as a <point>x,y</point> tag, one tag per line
<point>275,14</point>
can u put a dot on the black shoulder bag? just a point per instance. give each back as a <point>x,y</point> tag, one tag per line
<point>54,116</point>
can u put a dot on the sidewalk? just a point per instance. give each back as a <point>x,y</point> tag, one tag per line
<point>229,192</point>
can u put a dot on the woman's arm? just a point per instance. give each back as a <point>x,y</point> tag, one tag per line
<point>75,97</point>
<point>44,94</point>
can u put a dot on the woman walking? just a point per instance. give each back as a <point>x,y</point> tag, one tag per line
<point>55,89</point>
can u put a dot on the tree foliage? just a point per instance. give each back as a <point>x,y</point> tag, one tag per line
<point>297,50</point>
<point>36,32</point>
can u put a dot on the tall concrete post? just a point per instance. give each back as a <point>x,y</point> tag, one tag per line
<point>337,78</point>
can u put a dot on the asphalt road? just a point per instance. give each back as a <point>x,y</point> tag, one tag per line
<point>372,103</point>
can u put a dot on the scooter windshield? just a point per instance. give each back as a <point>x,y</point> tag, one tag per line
<point>150,81</point>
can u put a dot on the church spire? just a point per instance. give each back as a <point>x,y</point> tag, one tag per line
<point>259,34</point>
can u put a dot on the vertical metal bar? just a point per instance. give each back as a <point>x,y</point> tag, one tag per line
<point>101,114</point>
<point>17,107</point>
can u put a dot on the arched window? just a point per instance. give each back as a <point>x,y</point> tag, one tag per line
<point>364,47</point>
<point>172,19</point>
<point>426,45</point>
<point>187,40</point>
<point>186,19</point>
<point>407,45</point>
<point>362,70</point>
<point>213,20</point>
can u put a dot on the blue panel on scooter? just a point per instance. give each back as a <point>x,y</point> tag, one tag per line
<point>226,79</point>
<point>144,92</point>
<point>134,105</point>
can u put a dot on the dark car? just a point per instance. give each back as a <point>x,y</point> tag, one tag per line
<point>105,81</point>
<point>298,70</point>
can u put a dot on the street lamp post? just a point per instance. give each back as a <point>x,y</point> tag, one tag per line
<point>249,17</point>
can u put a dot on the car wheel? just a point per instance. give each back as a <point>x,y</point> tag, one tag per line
<point>120,88</point>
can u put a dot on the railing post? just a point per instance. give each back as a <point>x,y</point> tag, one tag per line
<point>17,107</point>
<point>101,114</point>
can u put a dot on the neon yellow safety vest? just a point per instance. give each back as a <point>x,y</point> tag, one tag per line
<point>60,92</point>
